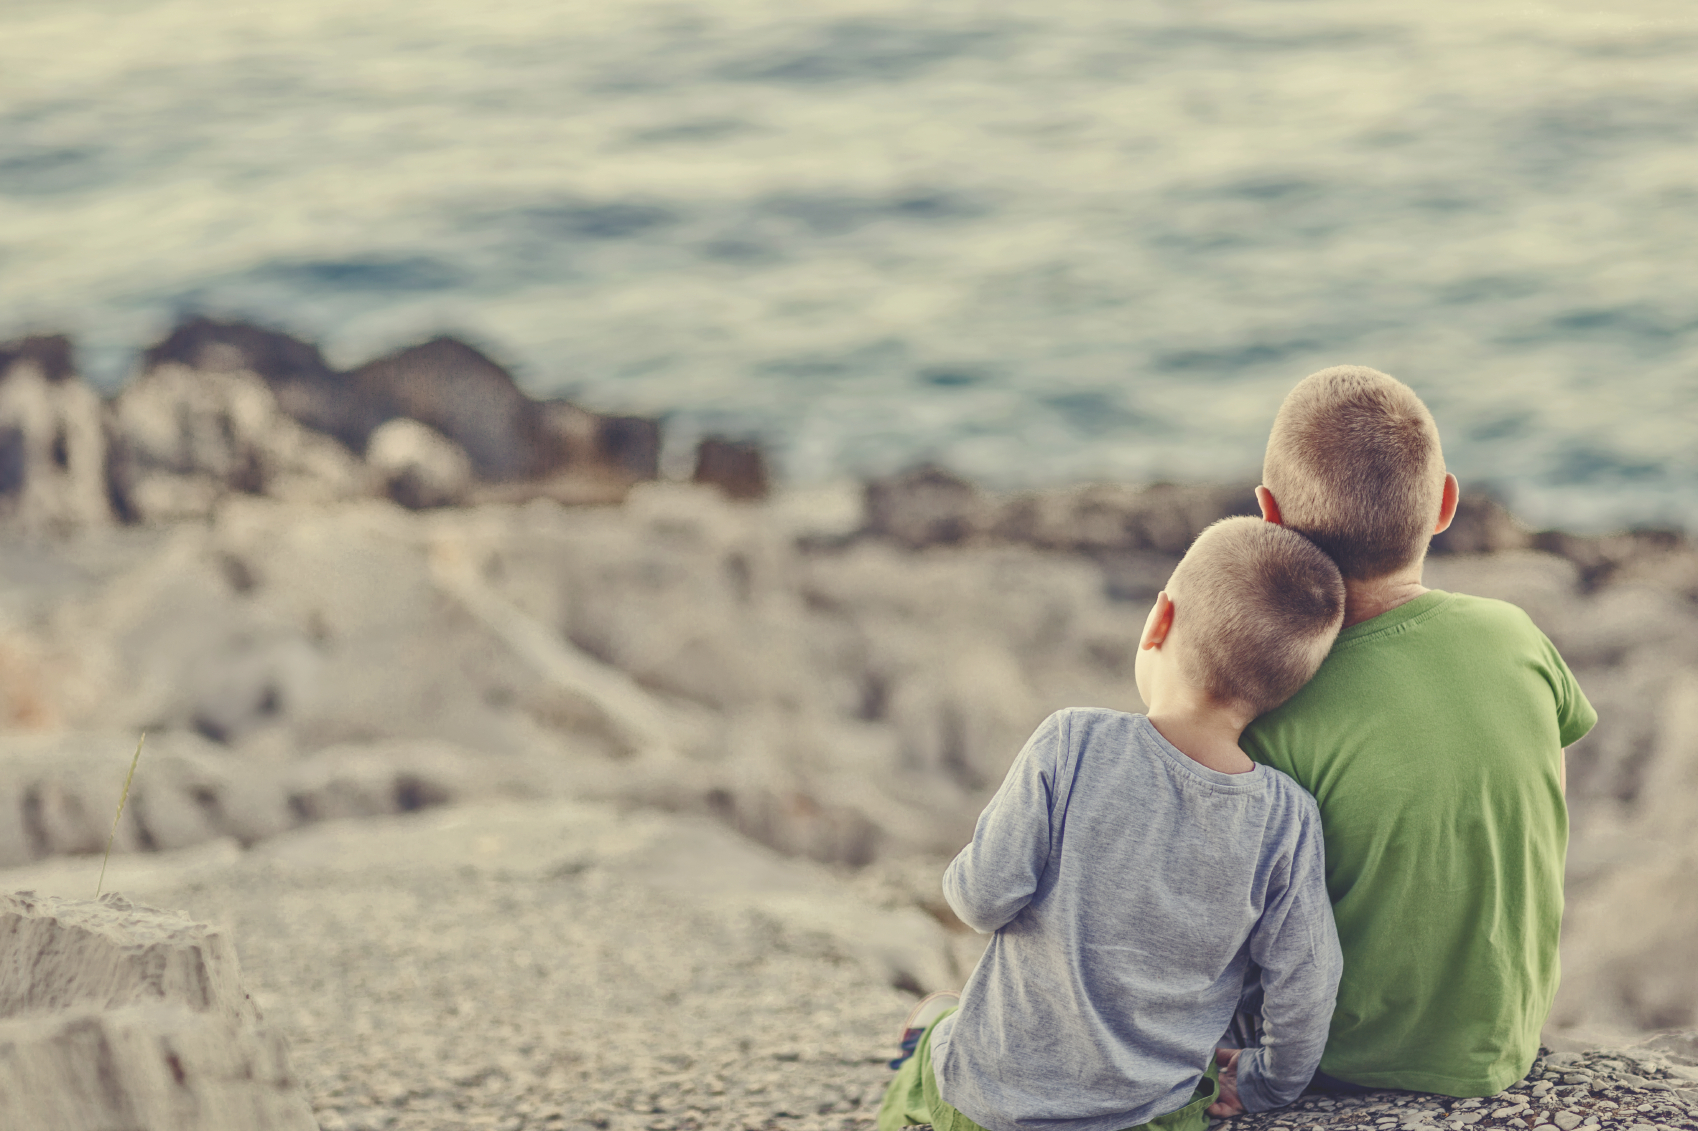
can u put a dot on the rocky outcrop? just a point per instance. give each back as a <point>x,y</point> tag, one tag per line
<point>224,409</point>
<point>460,393</point>
<point>184,439</point>
<point>52,440</point>
<point>113,1015</point>
<point>305,387</point>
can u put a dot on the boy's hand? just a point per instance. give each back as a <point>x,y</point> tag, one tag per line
<point>1227,1106</point>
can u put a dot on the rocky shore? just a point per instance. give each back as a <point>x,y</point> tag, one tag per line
<point>541,791</point>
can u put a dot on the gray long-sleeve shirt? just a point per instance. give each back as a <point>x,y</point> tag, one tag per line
<point>1132,890</point>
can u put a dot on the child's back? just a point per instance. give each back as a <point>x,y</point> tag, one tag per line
<point>1432,740</point>
<point>1149,883</point>
<point>1135,868</point>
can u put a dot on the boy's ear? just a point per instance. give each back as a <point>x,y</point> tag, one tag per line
<point>1448,499</point>
<point>1158,624</point>
<point>1270,506</point>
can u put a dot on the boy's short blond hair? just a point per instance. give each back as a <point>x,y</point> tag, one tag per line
<point>1260,605</point>
<point>1354,463</point>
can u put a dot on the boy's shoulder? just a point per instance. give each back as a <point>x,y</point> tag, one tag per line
<point>1440,622</point>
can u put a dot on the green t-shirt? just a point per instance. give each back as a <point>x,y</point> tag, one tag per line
<point>1432,738</point>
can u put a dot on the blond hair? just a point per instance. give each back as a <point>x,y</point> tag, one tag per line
<point>1354,463</point>
<point>1260,605</point>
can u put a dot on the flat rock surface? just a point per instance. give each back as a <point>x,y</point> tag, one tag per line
<point>570,965</point>
<point>559,966</point>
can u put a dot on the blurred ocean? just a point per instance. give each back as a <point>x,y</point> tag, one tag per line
<point>1039,242</point>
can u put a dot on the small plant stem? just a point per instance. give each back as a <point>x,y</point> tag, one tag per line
<point>125,796</point>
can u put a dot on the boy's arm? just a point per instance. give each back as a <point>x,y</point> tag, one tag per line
<point>994,877</point>
<point>1296,945</point>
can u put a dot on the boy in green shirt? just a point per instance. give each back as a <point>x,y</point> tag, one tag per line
<point>1432,737</point>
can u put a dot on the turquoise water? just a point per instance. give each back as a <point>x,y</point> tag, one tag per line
<point>1040,242</point>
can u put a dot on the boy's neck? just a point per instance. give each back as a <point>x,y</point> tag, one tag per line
<point>1365,600</point>
<point>1206,733</point>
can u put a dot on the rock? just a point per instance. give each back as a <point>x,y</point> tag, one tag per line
<point>147,1068</point>
<point>61,953</point>
<point>305,387</point>
<point>579,442</point>
<point>1601,559</point>
<point>114,1015</point>
<point>184,439</point>
<point>738,468</point>
<point>364,780</point>
<point>456,390</point>
<point>52,440</point>
<point>926,506</point>
<point>418,466</point>
<point>510,438</point>
<point>1108,517</point>
<point>1482,526</point>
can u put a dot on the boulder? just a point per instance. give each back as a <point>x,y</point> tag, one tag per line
<point>418,466</point>
<point>456,390</point>
<point>52,440</point>
<point>510,438</point>
<point>114,1015</point>
<point>736,467</point>
<point>304,385</point>
<point>184,438</point>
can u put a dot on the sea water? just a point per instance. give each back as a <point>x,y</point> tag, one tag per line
<point>1038,242</point>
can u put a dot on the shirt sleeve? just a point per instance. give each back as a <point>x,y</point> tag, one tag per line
<point>1575,716</point>
<point>991,880</point>
<point>1296,945</point>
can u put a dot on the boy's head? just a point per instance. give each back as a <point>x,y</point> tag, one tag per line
<point>1257,607</point>
<point>1354,463</point>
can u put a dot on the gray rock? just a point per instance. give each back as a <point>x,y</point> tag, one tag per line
<point>114,1015</point>
<point>183,439</point>
<point>456,390</point>
<point>52,440</point>
<point>304,385</point>
<point>58,954</point>
<point>417,465</point>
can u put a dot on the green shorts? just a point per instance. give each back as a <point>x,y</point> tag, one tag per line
<point>912,1098</point>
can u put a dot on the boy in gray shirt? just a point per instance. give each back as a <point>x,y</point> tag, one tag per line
<point>1137,869</point>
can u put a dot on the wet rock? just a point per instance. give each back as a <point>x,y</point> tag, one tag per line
<point>462,394</point>
<point>418,466</point>
<point>114,1015</point>
<point>736,467</point>
<point>52,440</point>
<point>304,385</point>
